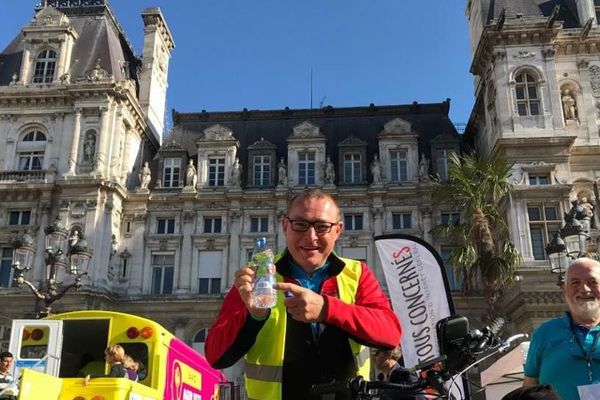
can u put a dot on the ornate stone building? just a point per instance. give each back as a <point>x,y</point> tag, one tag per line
<point>81,119</point>
<point>537,87</point>
<point>81,122</point>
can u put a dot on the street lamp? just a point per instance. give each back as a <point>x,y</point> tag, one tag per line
<point>69,253</point>
<point>570,242</point>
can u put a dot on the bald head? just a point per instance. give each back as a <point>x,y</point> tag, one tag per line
<point>313,194</point>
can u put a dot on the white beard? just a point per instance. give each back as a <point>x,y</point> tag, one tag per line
<point>586,310</point>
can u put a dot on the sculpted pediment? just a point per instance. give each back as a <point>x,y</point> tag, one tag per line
<point>218,132</point>
<point>261,144</point>
<point>172,146</point>
<point>50,16</point>
<point>352,141</point>
<point>397,126</point>
<point>306,129</point>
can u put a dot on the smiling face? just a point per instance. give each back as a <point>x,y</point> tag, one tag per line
<point>309,249</point>
<point>582,291</point>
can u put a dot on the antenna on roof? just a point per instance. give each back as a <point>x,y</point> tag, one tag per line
<point>311,88</point>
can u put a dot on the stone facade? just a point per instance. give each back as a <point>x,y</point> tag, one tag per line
<point>170,221</point>
<point>536,73</point>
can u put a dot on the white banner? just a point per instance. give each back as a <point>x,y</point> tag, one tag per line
<point>417,284</point>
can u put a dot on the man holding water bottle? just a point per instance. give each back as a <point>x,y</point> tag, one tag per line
<point>328,309</point>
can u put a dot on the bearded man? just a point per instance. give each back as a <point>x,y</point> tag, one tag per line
<point>564,352</point>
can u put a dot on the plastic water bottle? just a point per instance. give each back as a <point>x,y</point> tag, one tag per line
<point>263,293</point>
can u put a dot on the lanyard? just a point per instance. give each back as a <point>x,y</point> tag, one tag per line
<point>587,356</point>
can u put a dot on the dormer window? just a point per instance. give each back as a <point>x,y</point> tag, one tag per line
<point>306,168</point>
<point>216,171</point>
<point>45,67</point>
<point>442,158</point>
<point>172,172</point>
<point>352,168</point>
<point>262,170</point>
<point>399,165</point>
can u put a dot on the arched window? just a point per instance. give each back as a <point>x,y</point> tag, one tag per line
<point>527,93</point>
<point>199,339</point>
<point>30,151</point>
<point>45,67</point>
<point>201,336</point>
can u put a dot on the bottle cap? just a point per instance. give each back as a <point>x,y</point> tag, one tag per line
<point>260,242</point>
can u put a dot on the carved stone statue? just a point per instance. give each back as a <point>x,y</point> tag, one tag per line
<point>89,147</point>
<point>191,177</point>
<point>282,173</point>
<point>569,106</point>
<point>236,173</point>
<point>424,168</point>
<point>586,213</point>
<point>145,176</point>
<point>329,171</point>
<point>376,169</point>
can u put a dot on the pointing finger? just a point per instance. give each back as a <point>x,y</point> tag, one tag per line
<point>289,287</point>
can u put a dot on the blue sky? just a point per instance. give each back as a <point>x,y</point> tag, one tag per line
<point>236,54</point>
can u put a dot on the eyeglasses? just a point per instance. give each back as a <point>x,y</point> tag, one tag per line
<point>320,227</point>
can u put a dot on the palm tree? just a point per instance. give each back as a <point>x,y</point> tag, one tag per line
<point>475,187</point>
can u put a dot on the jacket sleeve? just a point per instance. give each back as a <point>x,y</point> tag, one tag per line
<point>370,320</point>
<point>233,333</point>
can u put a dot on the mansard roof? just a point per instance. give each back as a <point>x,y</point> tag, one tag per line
<point>336,125</point>
<point>101,41</point>
<point>492,10</point>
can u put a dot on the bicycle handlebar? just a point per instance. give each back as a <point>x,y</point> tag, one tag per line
<point>358,385</point>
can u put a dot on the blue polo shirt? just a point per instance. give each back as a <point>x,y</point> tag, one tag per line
<point>555,358</point>
<point>312,282</point>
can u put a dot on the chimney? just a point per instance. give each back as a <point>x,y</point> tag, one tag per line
<point>158,44</point>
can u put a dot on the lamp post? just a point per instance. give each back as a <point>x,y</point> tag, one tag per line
<point>69,253</point>
<point>570,242</point>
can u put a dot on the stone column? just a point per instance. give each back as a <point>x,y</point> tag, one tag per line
<point>102,148</point>
<point>25,61</point>
<point>552,109</point>
<point>60,68</point>
<point>427,222</point>
<point>280,236</point>
<point>235,229</point>
<point>586,109</point>
<point>184,284</point>
<point>137,260</point>
<point>377,214</point>
<point>75,143</point>
<point>125,155</point>
<point>115,148</point>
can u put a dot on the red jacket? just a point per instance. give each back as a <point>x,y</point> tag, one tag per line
<point>370,322</point>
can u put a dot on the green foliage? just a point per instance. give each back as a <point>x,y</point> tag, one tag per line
<point>481,241</point>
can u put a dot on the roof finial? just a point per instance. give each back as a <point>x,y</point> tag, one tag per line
<point>45,3</point>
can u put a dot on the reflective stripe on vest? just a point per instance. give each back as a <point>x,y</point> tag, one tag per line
<point>264,361</point>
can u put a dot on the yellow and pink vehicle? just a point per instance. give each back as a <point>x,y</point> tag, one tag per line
<point>52,356</point>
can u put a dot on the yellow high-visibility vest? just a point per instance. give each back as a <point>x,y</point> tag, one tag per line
<point>264,361</point>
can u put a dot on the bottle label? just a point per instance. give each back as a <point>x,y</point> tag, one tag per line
<point>264,263</point>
